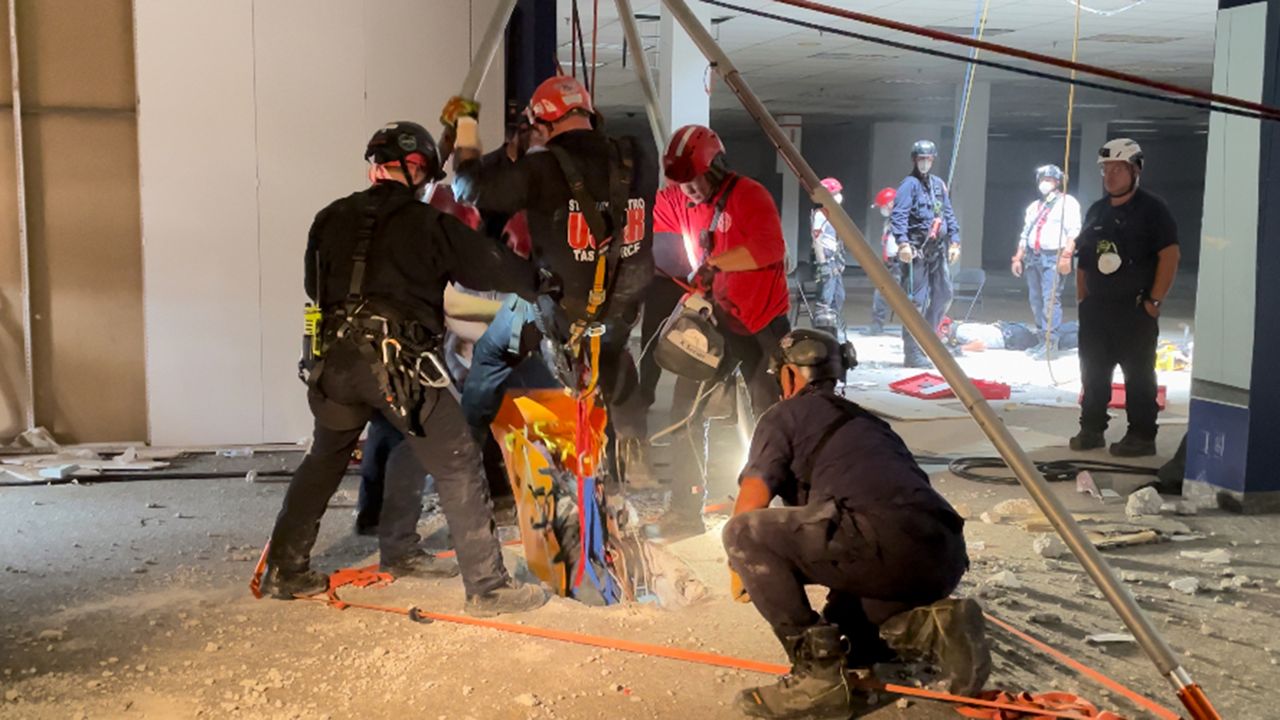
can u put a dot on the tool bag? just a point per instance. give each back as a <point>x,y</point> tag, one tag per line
<point>689,343</point>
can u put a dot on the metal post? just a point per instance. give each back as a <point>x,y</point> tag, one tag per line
<point>24,247</point>
<point>652,106</point>
<point>990,423</point>
<point>483,57</point>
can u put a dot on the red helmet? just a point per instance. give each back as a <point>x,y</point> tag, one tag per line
<point>692,151</point>
<point>557,96</point>
<point>885,197</point>
<point>832,185</point>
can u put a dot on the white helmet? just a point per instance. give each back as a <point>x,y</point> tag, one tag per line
<point>1121,149</point>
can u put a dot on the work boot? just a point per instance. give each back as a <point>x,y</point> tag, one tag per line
<point>287,586</point>
<point>1088,440</point>
<point>637,471</point>
<point>1133,446</point>
<point>366,526</point>
<point>421,564</point>
<point>949,633</point>
<point>816,687</point>
<point>511,598</point>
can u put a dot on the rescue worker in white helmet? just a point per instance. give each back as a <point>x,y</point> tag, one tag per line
<point>376,264</point>
<point>1045,248</point>
<point>589,202</point>
<point>1128,257</point>
<point>829,262</point>
<point>928,238</point>
<point>858,518</point>
<point>730,229</point>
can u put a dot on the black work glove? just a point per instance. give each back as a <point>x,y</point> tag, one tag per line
<point>703,276</point>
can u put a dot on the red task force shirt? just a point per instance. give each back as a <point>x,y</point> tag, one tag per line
<point>750,298</point>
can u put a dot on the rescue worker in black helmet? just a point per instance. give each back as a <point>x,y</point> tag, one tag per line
<point>377,262</point>
<point>928,238</point>
<point>860,519</point>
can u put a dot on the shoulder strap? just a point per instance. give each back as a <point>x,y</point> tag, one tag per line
<point>359,257</point>
<point>721,203</point>
<point>621,170</point>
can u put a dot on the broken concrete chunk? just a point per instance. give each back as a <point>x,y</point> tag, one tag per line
<point>1220,556</point>
<point>1045,618</point>
<point>1005,579</point>
<point>1109,638</point>
<point>59,472</point>
<point>527,700</point>
<point>1143,502</point>
<point>1050,546</point>
<point>1015,508</point>
<point>1186,585</point>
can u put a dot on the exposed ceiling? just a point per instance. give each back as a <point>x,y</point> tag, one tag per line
<point>831,78</point>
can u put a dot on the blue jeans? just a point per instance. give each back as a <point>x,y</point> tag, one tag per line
<point>497,365</point>
<point>381,440</point>
<point>1044,285</point>
<point>829,314</point>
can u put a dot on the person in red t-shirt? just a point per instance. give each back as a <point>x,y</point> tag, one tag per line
<point>741,258</point>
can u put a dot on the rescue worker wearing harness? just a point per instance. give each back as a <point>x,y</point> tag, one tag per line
<point>731,230</point>
<point>1045,247</point>
<point>889,254</point>
<point>377,263</point>
<point>829,263</point>
<point>928,239</point>
<point>589,202</point>
<point>860,519</point>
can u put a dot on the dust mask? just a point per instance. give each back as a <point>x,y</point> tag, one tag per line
<point>1046,187</point>
<point>924,165</point>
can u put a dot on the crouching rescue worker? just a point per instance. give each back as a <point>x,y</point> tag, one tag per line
<point>589,203</point>
<point>859,519</point>
<point>377,262</point>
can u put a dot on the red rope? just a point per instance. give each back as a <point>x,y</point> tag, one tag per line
<point>1032,56</point>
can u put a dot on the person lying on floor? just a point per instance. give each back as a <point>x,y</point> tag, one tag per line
<point>860,519</point>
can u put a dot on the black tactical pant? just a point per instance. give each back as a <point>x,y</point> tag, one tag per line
<point>342,399</point>
<point>1118,333</point>
<point>928,279</point>
<point>875,563</point>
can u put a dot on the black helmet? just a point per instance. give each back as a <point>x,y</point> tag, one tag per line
<point>819,355</point>
<point>1053,172</point>
<point>924,148</point>
<point>398,140</point>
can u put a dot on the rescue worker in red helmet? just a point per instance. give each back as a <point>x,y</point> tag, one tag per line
<point>376,264</point>
<point>828,266</point>
<point>614,182</point>
<point>740,257</point>
<point>888,254</point>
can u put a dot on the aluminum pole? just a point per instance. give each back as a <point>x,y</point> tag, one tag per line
<point>652,107</point>
<point>24,246</point>
<point>484,54</point>
<point>990,423</point>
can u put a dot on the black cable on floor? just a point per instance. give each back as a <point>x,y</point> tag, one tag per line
<point>1053,470</point>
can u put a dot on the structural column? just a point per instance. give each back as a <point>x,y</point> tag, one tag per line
<point>1232,454</point>
<point>969,181</point>
<point>1087,185</point>
<point>791,200</point>
<point>682,73</point>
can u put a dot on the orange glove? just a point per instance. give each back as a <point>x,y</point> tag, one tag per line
<point>457,107</point>
<point>736,590</point>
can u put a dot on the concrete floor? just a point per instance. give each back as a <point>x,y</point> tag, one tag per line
<point>131,600</point>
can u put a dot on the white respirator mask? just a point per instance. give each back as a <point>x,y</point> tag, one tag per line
<point>1046,187</point>
<point>924,165</point>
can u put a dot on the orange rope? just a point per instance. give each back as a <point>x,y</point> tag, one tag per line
<point>1158,710</point>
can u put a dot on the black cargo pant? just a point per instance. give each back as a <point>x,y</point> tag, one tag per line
<point>875,563</point>
<point>1118,333</point>
<point>342,399</point>
<point>928,279</point>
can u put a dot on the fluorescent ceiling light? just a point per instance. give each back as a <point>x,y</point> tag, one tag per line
<point>1131,39</point>
<point>967,30</point>
<point>1096,105</point>
<point>1132,121</point>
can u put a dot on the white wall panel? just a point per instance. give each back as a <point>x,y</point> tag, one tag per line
<point>199,218</point>
<point>253,116</point>
<point>1227,286</point>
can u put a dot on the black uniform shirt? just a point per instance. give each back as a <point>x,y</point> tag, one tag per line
<point>1137,231</point>
<point>414,252</point>
<point>862,462</point>
<point>561,241</point>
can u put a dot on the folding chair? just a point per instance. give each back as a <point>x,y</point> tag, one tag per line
<point>964,280</point>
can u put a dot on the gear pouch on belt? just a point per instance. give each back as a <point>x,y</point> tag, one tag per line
<point>311,341</point>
